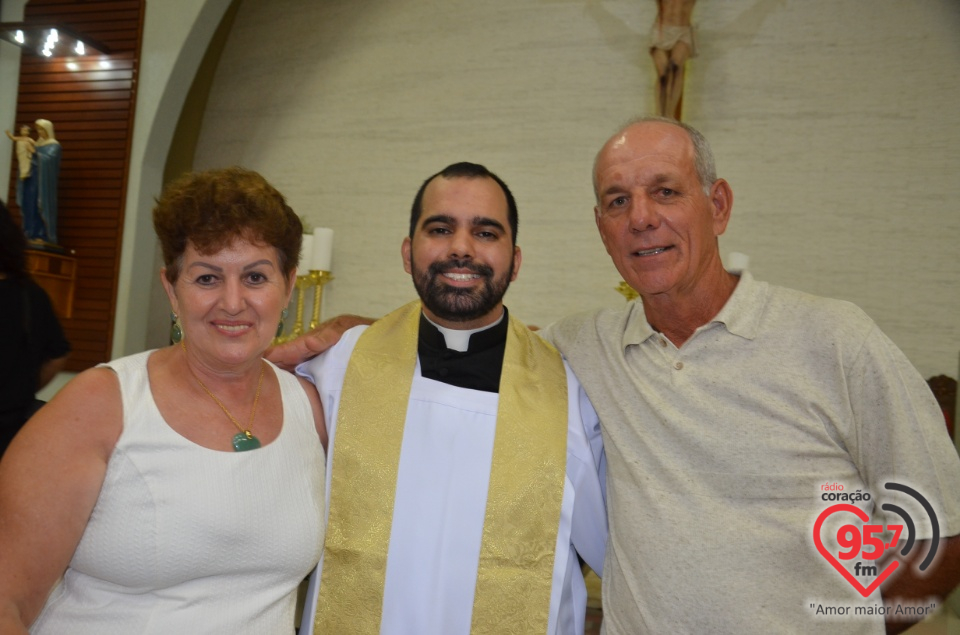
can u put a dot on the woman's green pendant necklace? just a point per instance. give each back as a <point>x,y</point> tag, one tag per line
<point>243,440</point>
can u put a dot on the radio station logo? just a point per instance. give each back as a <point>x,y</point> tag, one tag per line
<point>860,544</point>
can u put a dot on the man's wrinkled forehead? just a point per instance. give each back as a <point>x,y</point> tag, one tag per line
<point>652,138</point>
<point>644,142</point>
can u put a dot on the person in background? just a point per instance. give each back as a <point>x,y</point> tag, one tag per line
<point>177,490</point>
<point>465,471</point>
<point>34,349</point>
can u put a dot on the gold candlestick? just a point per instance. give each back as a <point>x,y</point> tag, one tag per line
<point>318,278</point>
<point>302,283</point>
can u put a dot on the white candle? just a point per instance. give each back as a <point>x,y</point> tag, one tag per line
<point>306,255</point>
<point>322,249</point>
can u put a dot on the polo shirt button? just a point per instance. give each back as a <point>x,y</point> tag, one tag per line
<point>663,342</point>
<point>678,365</point>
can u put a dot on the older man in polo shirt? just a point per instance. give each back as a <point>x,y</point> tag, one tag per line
<point>726,404</point>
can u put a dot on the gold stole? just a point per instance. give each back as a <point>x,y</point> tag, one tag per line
<point>522,517</point>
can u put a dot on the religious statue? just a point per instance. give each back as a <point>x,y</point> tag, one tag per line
<point>672,43</point>
<point>39,177</point>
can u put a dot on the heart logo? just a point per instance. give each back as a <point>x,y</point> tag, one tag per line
<point>862,515</point>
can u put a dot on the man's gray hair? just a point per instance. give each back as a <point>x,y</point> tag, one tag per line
<point>702,154</point>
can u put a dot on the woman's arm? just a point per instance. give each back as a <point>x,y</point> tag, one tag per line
<point>50,478</point>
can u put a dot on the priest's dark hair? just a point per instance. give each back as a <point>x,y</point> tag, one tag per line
<point>465,170</point>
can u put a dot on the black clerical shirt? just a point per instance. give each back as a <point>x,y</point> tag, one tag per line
<point>478,368</point>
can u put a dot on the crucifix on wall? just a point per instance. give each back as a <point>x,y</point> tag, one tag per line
<point>672,43</point>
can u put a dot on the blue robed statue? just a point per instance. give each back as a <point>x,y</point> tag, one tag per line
<point>37,193</point>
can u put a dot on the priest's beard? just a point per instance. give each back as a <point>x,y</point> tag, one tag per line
<point>458,304</point>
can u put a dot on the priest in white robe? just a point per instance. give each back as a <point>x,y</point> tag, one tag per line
<point>465,477</point>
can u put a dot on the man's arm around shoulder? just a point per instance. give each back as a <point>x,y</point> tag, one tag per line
<point>290,354</point>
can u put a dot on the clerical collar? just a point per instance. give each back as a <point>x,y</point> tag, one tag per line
<point>477,368</point>
<point>459,340</point>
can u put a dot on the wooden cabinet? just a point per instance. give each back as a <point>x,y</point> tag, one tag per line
<point>57,274</point>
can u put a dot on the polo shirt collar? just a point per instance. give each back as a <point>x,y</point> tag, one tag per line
<point>742,312</point>
<point>636,329</point>
<point>740,315</point>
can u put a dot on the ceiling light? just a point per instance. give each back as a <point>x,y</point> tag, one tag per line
<point>50,40</point>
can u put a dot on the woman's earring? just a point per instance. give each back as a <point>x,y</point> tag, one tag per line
<point>176,330</point>
<point>283,316</point>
